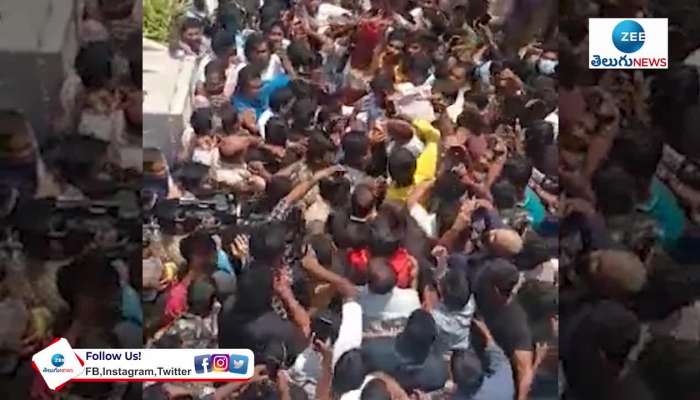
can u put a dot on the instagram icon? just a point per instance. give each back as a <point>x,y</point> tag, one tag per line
<point>219,362</point>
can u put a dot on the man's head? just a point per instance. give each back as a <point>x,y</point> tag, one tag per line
<point>504,242</point>
<point>615,274</point>
<point>249,82</point>
<point>518,170</point>
<point>281,100</point>
<point>320,150</point>
<point>381,277</point>
<point>418,68</point>
<point>215,77</point>
<point>230,123</point>
<point>375,389</point>
<point>349,372</point>
<point>356,149</point>
<point>274,33</point>
<point>18,154</point>
<point>224,46</point>
<point>402,167</point>
<point>467,370</point>
<point>502,279</point>
<point>418,336</point>
<point>257,50</point>
<point>94,64</point>
<point>201,122</point>
<point>454,288</point>
<point>199,250</point>
<point>396,43</point>
<point>362,202</point>
<point>192,32</point>
<point>638,150</point>
<point>419,44</point>
<point>268,244</point>
<point>615,191</point>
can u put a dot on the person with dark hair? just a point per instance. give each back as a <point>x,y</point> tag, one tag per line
<point>518,171</point>
<point>640,155</point>
<point>201,147</point>
<point>252,92</point>
<point>280,103</point>
<point>453,313</point>
<point>356,157</point>
<point>196,327</point>
<point>482,377</point>
<point>494,284</point>
<point>190,41</point>
<point>257,53</point>
<point>200,253</point>
<point>409,357</point>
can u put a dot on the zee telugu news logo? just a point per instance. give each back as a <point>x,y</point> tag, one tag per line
<point>636,43</point>
<point>234,363</point>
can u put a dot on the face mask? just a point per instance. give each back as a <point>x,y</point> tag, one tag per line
<point>547,67</point>
<point>204,156</point>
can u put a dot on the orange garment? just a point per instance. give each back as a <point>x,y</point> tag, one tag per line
<point>401,262</point>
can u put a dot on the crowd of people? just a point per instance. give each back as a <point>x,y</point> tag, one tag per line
<point>366,197</point>
<point>70,239</point>
<point>629,230</point>
<point>375,197</point>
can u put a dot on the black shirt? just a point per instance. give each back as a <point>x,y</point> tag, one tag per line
<point>380,354</point>
<point>255,334</point>
<point>508,322</point>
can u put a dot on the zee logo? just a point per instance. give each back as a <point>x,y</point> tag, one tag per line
<point>57,360</point>
<point>628,36</point>
<point>628,43</point>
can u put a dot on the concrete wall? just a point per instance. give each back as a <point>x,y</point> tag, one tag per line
<point>167,84</point>
<point>38,43</point>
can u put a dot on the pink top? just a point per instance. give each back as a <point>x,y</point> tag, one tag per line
<point>176,304</point>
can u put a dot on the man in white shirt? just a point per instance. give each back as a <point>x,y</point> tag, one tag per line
<point>385,306</point>
<point>345,337</point>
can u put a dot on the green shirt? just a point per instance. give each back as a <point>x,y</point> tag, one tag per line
<point>664,209</point>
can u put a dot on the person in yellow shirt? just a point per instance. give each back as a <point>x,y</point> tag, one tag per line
<point>406,170</point>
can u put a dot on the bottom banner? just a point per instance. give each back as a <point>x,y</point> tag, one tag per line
<point>59,364</point>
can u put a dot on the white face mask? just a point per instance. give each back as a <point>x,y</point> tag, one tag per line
<point>546,66</point>
<point>206,157</point>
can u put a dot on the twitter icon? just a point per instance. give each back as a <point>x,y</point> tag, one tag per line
<point>238,364</point>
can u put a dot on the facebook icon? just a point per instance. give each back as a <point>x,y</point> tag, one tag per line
<point>202,364</point>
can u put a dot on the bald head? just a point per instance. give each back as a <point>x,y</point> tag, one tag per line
<point>382,278</point>
<point>505,242</point>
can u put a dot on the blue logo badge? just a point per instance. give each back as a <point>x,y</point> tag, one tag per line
<point>57,360</point>
<point>202,364</point>
<point>628,36</point>
<point>238,364</point>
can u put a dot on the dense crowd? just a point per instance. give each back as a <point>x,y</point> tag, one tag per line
<point>629,230</point>
<point>374,197</point>
<point>366,196</point>
<point>70,226</point>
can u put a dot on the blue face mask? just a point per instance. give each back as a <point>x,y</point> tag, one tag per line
<point>546,66</point>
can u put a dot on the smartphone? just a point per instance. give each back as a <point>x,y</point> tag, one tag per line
<point>322,327</point>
